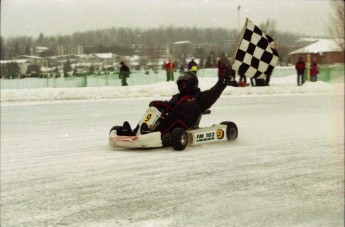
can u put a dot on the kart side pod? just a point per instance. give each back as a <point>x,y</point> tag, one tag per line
<point>224,131</point>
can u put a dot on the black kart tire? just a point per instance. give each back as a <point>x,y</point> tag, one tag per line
<point>179,139</point>
<point>231,130</point>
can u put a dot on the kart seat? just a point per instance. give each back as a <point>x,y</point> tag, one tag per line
<point>196,125</point>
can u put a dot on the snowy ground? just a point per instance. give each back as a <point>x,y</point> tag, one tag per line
<point>285,169</point>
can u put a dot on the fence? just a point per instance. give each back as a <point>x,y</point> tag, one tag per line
<point>331,73</point>
<point>142,77</point>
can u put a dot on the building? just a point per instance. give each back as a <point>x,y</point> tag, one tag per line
<point>22,64</point>
<point>39,51</point>
<point>70,49</point>
<point>34,60</point>
<point>324,51</point>
<point>102,61</point>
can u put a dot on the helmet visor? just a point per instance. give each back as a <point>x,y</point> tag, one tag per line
<point>184,84</point>
<point>185,87</point>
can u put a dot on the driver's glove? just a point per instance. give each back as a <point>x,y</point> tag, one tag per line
<point>228,73</point>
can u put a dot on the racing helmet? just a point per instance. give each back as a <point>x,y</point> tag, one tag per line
<point>188,83</point>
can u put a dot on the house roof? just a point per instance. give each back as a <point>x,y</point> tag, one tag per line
<point>19,61</point>
<point>27,57</point>
<point>182,42</point>
<point>103,55</point>
<point>319,46</point>
<point>306,40</point>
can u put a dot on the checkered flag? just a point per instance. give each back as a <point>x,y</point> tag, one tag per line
<point>256,55</point>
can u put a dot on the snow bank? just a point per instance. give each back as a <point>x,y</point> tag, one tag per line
<point>278,86</point>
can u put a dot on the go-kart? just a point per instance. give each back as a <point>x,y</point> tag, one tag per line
<point>178,138</point>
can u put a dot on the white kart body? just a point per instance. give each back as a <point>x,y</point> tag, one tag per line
<point>149,140</point>
<point>139,141</point>
<point>214,133</point>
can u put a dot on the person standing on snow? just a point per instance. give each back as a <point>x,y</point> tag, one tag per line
<point>192,66</point>
<point>221,67</point>
<point>124,73</point>
<point>300,67</point>
<point>314,70</point>
<point>184,108</point>
<point>169,68</point>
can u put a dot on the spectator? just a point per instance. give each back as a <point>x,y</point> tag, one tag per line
<point>258,82</point>
<point>300,67</point>
<point>181,68</point>
<point>221,67</point>
<point>124,73</point>
<point>192,66</point>
<point>232,81</point>
<point>243,78</point>
<point>268,78</point>
<point>169,68</point>
<point>314,70</point>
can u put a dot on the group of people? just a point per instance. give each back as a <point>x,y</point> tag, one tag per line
<point>169,68</point>
<point>221,64</point>
<point>300,68</point>
<point>193,67</point>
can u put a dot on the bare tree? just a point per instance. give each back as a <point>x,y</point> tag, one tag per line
<point>269,27</point>
<point>336,27</point>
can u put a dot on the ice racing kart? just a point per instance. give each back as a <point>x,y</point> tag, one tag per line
<point>178,138</point>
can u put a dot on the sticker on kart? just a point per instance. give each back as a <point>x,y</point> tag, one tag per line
<point>216,135</point>
<point>219,134</point>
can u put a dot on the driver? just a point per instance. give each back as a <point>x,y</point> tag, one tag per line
<point>185,107</point>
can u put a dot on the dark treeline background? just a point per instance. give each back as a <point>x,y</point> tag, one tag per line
<point>123,41</point>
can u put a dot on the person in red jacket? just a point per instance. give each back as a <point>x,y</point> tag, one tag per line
<point>169,68</point>
<point>300,67</point>
<point>314,70</point>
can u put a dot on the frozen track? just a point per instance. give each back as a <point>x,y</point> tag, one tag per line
<point>285,169</point>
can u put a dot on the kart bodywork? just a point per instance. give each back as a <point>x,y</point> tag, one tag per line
<point>178,138</point>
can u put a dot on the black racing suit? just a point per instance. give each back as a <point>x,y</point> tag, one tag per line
<point>184,111</point>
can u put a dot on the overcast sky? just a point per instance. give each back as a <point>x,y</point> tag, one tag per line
<point>53,17</point>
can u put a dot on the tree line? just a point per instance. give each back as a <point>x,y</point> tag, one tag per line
<point>124,41</point>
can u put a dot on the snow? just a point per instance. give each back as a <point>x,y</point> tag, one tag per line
<point>285,169</point>
<point>278,86</point>
<point>320,46</point>
<point>104,55</point>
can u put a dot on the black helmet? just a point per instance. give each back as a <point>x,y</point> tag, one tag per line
<point>188,83</point>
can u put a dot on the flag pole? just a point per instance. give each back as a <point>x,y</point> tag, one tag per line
<point>238,42</point>
<point>238,19</point>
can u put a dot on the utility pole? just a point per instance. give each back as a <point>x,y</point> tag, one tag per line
<point>238,17</point>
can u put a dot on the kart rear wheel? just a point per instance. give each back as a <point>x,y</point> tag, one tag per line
<point>179,138</point>
<point>231,130</point>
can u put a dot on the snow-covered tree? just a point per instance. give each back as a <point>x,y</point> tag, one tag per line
<point>336,27</point>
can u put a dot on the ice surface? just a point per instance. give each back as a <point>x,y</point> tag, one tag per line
<point>285,169</point>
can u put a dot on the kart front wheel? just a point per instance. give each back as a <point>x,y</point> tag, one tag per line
<point>231,130</point>
<point>179,138</point>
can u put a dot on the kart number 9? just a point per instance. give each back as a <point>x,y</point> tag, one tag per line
<point>148,117</point>
<point>220,134</point>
